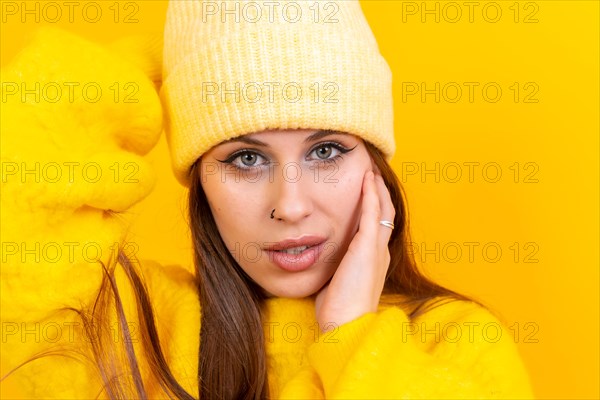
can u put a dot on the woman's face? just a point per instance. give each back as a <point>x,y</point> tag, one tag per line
<point>311,179</point>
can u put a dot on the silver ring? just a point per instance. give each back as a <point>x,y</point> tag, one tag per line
<point>388,224</point>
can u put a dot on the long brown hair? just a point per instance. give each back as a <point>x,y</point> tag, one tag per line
<point>232,364</point>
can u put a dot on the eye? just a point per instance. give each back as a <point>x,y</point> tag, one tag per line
<point>248,159</point>
<point>329,151</point>
<point>245,159</point>
<point>324,152</point>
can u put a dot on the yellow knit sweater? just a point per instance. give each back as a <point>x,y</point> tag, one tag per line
<point>60,216</point>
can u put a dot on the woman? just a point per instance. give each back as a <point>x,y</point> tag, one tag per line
<point>281,126</point>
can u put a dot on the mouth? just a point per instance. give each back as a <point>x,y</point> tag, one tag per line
<point>294,255</point>
<point>294,250</point>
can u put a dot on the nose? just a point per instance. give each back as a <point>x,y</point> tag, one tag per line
<point>291,199</point>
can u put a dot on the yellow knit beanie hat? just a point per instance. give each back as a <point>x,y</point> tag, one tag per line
<point>238,67</point>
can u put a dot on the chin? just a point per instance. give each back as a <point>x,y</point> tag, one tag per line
<point>293,291</point>
<point>290,294</point>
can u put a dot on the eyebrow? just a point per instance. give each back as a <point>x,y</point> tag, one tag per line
<point>315,136</point>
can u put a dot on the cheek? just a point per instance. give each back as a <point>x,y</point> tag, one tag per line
<point>233,206</point>
<point>344,198</point>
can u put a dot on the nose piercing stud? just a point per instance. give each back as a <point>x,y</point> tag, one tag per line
<point>272,212</point>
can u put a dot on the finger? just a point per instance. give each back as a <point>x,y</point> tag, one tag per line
<point>369,220</point>
<point>386,206</point>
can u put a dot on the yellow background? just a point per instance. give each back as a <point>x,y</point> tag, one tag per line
<point>550,209</point>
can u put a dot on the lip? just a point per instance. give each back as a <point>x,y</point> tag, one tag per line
<point>296,262</point>
<point>304,240</point>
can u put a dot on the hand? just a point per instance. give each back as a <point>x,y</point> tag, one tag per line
<point>355,288</point>
<point>87,146</point>
<point>71,159</point>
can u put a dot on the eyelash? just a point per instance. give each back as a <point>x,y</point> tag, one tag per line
<point>322,162</point>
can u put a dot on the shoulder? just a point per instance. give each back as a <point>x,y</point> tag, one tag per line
<point>448,325</point>
<point>170,287</point>
<point>171,294</point>
<point>443,309</point>
<point>465,332</point>
<point>455,314</point>
<point>471,335</point>
<point>174,297</point>
<point>438,309</point>
<point>172,274</point>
